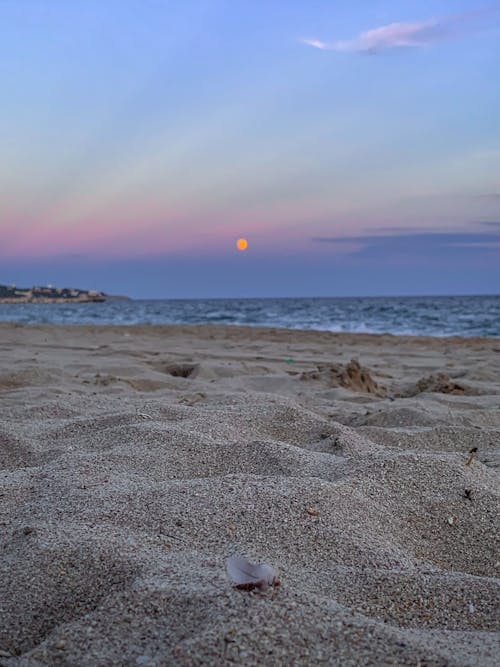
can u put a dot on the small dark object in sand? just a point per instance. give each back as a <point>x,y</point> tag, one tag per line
<point>472,453</point>
<point>468,494</point>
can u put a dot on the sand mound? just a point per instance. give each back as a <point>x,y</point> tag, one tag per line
<point>439,383</point>
<point>441,439</point>
<point>351,376</point>
<point>71,583</point>
<point>399,415</point>
<point>13,454</point>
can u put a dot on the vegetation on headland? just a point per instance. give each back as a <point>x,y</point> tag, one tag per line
<point>49,294</point>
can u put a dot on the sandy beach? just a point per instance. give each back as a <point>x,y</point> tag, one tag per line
<point>135,460</point>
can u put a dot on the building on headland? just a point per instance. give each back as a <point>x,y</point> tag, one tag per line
<point>49,294</point>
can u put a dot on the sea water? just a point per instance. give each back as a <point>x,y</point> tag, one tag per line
<point>426,315</point>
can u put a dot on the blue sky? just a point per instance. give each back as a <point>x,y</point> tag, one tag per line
<point>140,139</point>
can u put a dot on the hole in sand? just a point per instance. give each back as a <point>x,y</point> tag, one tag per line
<point>181,370</point>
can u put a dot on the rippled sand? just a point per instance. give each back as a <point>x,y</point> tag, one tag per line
<point>134,461</point>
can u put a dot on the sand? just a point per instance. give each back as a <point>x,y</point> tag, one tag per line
<point>135,460</point>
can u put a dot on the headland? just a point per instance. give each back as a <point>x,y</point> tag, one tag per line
<point>50,294</point>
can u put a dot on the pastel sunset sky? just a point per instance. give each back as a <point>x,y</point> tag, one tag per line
<point>354,144</point>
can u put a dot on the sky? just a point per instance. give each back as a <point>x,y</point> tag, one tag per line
<point>354,144</point>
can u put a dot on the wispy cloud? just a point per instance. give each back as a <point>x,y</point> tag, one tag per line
<point>423,244</point>
<point>415,34</point>
<point>491,196</point>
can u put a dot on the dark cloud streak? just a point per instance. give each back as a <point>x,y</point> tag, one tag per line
<point>450,247</point>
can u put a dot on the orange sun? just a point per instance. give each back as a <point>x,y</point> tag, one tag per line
<point>242,244</point>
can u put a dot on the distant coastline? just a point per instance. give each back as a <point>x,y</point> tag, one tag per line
<point>50,294</point>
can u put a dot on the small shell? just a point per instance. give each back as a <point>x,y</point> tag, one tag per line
<point>247,575</point>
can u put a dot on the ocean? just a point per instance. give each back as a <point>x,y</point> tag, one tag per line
<point>426,315</point>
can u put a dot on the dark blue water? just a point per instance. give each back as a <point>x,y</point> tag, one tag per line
<point>435,316</point>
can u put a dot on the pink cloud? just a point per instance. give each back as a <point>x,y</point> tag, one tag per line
<point>416,34</point>
<point>394,35</point>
